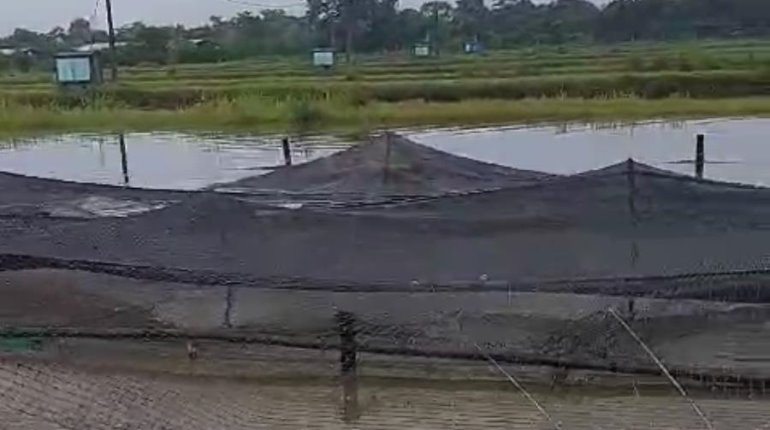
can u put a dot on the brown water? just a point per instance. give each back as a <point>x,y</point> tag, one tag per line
<point>736,150</point>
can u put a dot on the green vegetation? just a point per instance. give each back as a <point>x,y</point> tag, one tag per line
<point>256,114</point>
<point>582,82</point>
<point>379,26</point>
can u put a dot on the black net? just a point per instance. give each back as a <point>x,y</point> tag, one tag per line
<point>577,303</point>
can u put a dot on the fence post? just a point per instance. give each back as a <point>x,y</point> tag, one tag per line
<point>700,155</point>
<point>386,164</point>
<point>229,307</point>
<point>124,158</point>
<point>346,326</point>
<point>286,151</point>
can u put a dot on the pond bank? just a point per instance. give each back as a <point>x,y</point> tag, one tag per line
<point>250,114</point>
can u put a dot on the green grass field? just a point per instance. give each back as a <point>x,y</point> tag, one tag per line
<point>629,81</point>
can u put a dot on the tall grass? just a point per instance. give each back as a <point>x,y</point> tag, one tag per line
<point>713,84</point>
<point>264,114</point>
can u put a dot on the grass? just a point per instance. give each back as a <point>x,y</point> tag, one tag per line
<point>619,82</point>
<point>260,115</point>
<point>184,94</point>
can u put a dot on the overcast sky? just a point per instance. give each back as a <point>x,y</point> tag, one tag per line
<point>42,15</point>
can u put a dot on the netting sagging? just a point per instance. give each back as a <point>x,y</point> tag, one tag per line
<point>626,220</point>
<point>536,328</point>
<point>534,275</point>
<point>266,357</point>
<point>387,166</point>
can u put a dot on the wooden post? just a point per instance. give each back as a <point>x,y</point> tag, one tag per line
<point>286,151</point>
<point>124,158</point>
<point>229,307</point>
<point>700,155</point>
<point>632,193</point>
<point>386,164</point>
<point>346,326</point>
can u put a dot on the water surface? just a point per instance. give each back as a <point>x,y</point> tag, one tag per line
<point>737,150</point>
<point>155,160</point>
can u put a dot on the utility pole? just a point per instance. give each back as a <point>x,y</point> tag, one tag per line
<point>349,17</point>
<point>435,30</point>
<point>113,50</point>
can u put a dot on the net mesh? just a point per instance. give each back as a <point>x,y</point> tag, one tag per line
<point>557,303</point>
<point>151,354</point>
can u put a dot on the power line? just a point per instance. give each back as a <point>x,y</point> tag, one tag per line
<point>95,13</point>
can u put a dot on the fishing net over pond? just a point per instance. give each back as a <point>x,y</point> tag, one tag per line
<point>385,166</point>
<point>625,220</point>
<point>28,197</point>
<point>539,276</point>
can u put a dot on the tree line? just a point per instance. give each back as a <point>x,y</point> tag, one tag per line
<point>381,26</point>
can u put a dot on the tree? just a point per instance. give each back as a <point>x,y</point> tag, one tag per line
<point>155,42</point>
<point>378,25</point>
<point>516,21</point>
<point>58,35</point>
<point>383,31</point>
<point>412,26</point>
<point>79,32</point>
<point>569,19</point>
<point>470,18</point>
<point>439,15</point>
<point>352,19</point>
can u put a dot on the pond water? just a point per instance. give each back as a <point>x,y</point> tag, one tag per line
<point>155,160</point>
<point>736,150</point>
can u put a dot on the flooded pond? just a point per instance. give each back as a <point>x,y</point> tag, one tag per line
<point>155,160</point>
<point>736,151</point>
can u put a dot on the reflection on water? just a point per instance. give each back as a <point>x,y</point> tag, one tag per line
<point>736,150</point>
<point>155,160</point>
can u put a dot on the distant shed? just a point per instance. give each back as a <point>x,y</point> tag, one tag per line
<point>79,69</point>
<point>473,47</point>
<point>323,57</point>
<point>422,50</point>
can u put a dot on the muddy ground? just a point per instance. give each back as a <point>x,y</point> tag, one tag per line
<point>41,396</point>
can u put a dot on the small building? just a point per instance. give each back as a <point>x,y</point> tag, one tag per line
<point>203,43</point>
<point>323,57</point>
<point>473,47</point>
<point>421,50</point>
<point>99,46</point>
<point>78,69</point>
<point>26,52</point>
